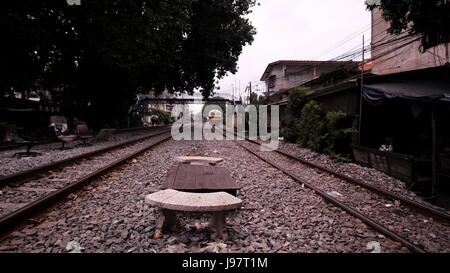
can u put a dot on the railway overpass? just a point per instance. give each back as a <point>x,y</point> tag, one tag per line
<point>195,99</point>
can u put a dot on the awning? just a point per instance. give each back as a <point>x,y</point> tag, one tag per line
<point>419,90</point>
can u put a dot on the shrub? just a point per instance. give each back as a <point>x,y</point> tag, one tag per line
<point>289,134</point>
<point>310,127</point>
<point>337,136</point>
<point>321,133</point>
<point>295,101</point>
<point>163,117</point>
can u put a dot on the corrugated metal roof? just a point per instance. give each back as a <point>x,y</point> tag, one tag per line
<point>298,62</point>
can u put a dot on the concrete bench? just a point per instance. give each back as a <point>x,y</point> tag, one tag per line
<point>103,135</point>
<point>171,201</point>
<point>198,160</point>
<point>29,144</point>
<point>66,139</point>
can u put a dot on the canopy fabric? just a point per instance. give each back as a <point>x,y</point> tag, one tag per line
<point>422,90</point>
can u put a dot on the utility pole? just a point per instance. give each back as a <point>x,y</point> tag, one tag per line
<point>240,94</point>
<point>232,87</point>
<point>235,88</point>
<point>361,95</point>
<point>249,92</point>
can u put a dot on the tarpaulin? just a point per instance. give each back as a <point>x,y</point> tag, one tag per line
<point>418,90</point>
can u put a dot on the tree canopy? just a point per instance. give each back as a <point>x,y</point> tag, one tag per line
<point>429,18</point>
<point>257,100</point>
<point>101,53</point>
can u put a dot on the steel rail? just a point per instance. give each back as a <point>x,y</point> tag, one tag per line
<point>366,219</point>
<point>16,177</point>
<point>405,200</point>
<point>11,220</point>
<point>13,146</point>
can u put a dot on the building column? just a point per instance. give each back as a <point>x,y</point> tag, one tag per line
<point>434,144</point>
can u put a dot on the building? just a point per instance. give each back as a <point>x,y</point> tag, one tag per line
<point>403,102</point>
<point>175,110</point>
<point>400,53</point>
<point>283,76</point>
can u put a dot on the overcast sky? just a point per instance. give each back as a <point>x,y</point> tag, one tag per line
<point>298,30</point>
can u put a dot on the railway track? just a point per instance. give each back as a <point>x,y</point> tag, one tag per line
<point>29,192</point>
<point>18,176</point>
<point>402,221</point>
<point>428,210</point>
<point>14,146</point>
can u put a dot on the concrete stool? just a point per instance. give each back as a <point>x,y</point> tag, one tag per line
<point>171,201</point>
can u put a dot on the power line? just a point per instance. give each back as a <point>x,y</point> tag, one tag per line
<point>354,52</point>
<point>366,49</point>
<point>336,58</point>
<point>349,38</point>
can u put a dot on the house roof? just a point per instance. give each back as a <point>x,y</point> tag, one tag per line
<point>297,63</point>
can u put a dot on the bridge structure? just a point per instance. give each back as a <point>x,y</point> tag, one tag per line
<point>187,99</point>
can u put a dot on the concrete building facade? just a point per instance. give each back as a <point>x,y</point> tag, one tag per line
<point>283,75</point>
<point>394,53</point>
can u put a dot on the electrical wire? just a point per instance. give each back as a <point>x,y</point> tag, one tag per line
<point>357,51</point>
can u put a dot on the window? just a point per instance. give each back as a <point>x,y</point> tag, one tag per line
<point>271,81</point>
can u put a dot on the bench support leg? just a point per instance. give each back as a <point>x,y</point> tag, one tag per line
<point>219,224</point>
<point>167,220</point>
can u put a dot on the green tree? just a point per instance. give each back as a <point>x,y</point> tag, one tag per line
<point>162,116</point>
<point>95,57</point>
<point>295,101</point>
<point>295,105</point>
<point>257,100</point>
<point>429,18</point>
<point>337,136</point>
<point>310,126</point>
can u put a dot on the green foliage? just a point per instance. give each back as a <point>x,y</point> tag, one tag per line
<point>96,56</point>
<point>336,136</point>
<point>295,100</point>
<point>257,100</point>
<point>310,126</point>
<point>163,117</point>
<point>341,158</point>
<point>321,133</point>
<point>430,18</point>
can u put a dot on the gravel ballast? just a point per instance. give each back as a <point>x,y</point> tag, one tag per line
<point>51,152</point>
<point>278,215</point>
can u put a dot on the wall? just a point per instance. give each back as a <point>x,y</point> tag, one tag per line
<point>393,56</point>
